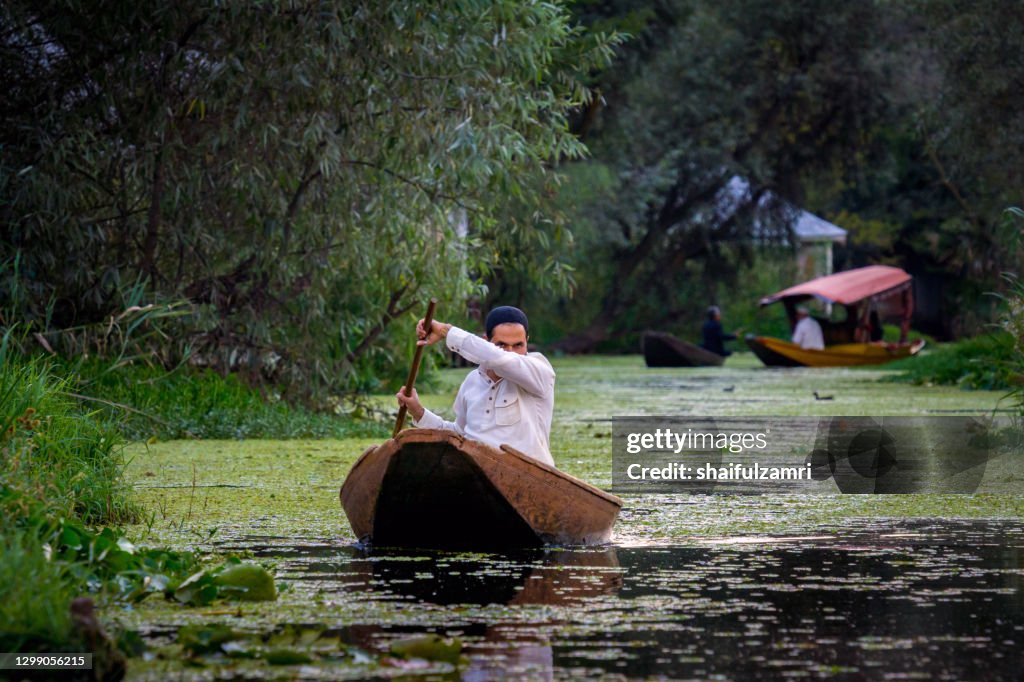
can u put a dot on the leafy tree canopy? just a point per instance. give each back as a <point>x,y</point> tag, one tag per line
<point>896,120</point>
<point>764,91</point>
<point>301,173</point>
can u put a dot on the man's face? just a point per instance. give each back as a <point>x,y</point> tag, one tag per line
<point>510,336</point>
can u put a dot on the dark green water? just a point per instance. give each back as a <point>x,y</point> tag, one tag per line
<point>719,587</point>
<point>936,600</point>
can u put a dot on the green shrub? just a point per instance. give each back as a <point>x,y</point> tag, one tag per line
<point>61,475</point>
<point>979,363</point>
<point>57,461</point>
<point>55,451</point>
<point>190,402</point>
<point>34,595</point>
<point>1013,321</point>
<point>1014,324</point>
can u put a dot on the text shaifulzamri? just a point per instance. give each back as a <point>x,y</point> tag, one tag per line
<point>675,471</point>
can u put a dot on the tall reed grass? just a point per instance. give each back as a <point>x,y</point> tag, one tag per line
<point>57,461</point>
<point>56,452</point>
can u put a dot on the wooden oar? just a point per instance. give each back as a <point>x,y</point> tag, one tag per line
<point>414,370</point>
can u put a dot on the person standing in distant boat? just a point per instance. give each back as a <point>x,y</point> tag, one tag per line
<point>807,333</point>
<point>713,337</point>
<point>508,399</point>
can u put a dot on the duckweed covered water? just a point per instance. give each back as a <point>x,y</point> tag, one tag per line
<point>695,587</point>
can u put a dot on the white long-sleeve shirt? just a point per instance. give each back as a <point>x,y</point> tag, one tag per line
<point>807,334</point>
<point>515,410</point>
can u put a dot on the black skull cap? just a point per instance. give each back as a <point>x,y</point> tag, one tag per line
<point>506,314</point>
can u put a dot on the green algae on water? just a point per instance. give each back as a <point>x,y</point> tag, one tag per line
<point>687,573</point>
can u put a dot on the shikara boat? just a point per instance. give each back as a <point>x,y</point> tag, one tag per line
<point>874,292</point>
<point>779,353</point>
<point>664,350</point>
<point>434,489</point>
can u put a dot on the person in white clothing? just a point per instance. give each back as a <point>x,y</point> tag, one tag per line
<point>807,333</point>
<point>508,399</point>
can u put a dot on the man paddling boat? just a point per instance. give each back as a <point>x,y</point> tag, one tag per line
<point>508,399</point>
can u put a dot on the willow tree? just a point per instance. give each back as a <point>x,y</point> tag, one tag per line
<point>297,171</point>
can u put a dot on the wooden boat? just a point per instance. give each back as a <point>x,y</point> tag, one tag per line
<point>779,353</point>
<point>866,293</point>
<point>435,489</point>
<point>664,350</point>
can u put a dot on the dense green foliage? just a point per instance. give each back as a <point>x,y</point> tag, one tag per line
<point>894,120</point>
<point>61,475</point>
<point>299,175</point>
<point>34,612</point>
<point>193,403</point>
<point>711,93</point>
<point>57,462</point>
<point>55,451</point>
<point>983,362</point>
<point>285,182</point>
<point>1013,321</point>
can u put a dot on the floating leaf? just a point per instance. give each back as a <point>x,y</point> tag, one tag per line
<point>202,639</point>
<point>239,649</point>
<point>287,657</point>
<point>198,590</point>
<point>247,582</point>
<point>71,539</point>
<point>429,647</point>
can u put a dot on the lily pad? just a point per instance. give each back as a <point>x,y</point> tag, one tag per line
<point>286,657</point>
<point>198,590</point>
<point>429,647</point>
<point>203,639</point>
<point>246,582</point>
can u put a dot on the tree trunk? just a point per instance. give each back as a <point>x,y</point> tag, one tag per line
<point>148,264</point>
<point>674,210</point>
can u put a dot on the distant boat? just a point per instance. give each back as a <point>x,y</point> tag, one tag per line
<point>779,353</point>
<point>876,287</point>
<point>664,350</point>
<point>434,489</point>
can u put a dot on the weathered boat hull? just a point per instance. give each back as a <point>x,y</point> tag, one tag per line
<point>435,489</point>
<point>779,353</point>
<point>664,350</point>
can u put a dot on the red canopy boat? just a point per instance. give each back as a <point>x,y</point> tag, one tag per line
<point>880,289</point>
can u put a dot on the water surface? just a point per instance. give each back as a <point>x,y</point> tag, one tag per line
<point>854,587</point>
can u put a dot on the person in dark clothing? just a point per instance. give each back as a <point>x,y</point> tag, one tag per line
<point>876,332</point>
<point>713,337</point>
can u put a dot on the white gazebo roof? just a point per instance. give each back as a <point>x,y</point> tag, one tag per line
<point>807,227</point>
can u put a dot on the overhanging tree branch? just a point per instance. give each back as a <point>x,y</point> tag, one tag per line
<point>393,310</point>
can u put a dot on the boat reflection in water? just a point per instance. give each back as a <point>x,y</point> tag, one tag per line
<point>507,645</point>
